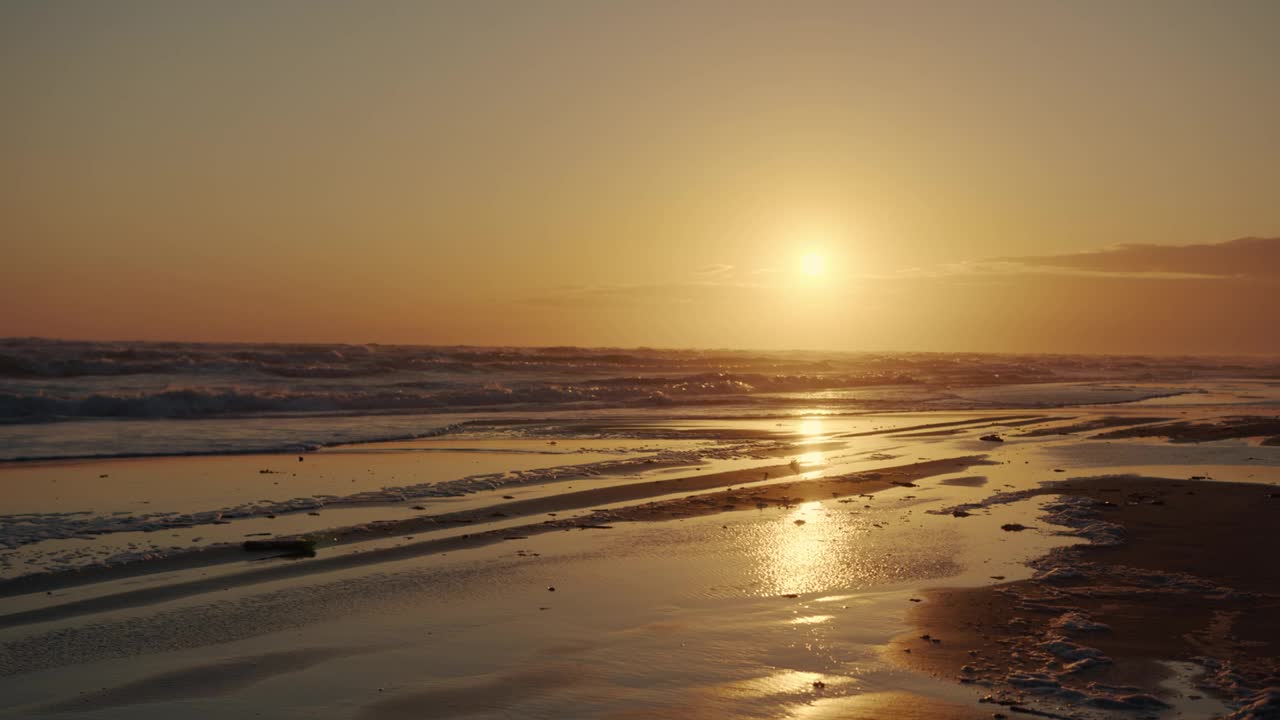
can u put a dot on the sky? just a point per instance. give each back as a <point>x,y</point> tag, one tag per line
<point>1024,176</point>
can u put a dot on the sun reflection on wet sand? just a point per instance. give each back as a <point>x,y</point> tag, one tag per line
<point>811,619</point>
<point>811,427</point>
<point>820,696</point>
<point>821,546</point>
<point>812,458</point>
<point>881,705</point>
<point>780,682</point>
<point>798,553</point>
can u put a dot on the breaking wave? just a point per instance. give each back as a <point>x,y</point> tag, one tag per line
<point>286,396</point>
<point>423,396</point>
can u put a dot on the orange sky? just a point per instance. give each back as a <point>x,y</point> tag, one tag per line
<point>645,173</point>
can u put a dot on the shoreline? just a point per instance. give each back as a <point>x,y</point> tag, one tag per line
<point>751,497</point>
<point>798,604</point>
<point>1176,570</point>
<point>404,497</point>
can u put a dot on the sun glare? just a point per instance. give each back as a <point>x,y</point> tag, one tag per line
<point>813,264</point>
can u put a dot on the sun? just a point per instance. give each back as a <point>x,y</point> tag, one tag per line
<point>813,264</point>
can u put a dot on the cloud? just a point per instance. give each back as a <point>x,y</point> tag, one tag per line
<point>719,283</point>
<point>1243,258</point>
<point>1024,266</point>
<point>684,293</point>
<point>1203,299</point>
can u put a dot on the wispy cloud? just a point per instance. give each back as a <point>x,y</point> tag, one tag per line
<point>718,270</point>
<point>659,294</point>
<point>987,268</point>
<point>727,286</point>
<point>1245,258</point>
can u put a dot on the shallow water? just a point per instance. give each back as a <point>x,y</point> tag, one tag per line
<point>678,618</point>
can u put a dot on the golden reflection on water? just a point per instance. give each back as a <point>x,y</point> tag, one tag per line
<point>780,682</point>
<point>880,706</point>
<point>810,619</point>
<point>811,458</point>
<point>794,554</point>
<point>817,547</point>
<point>811,427</point>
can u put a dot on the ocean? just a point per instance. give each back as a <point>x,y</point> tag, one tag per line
<point>67,399</point>
<point>389,530</point>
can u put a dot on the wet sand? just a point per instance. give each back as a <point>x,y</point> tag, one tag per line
<point>1228,428</point>
<point>202,681</point>
<point>784,494</point>
<point>1195,576</point>
<point>756,570</point>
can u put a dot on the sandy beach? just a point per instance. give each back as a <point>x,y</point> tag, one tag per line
<point>1175,589</point>
<point>574,360</point>
<point>1081,561</point>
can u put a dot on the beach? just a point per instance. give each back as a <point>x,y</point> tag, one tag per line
<point>1086,547</point>
<point>567,360</point>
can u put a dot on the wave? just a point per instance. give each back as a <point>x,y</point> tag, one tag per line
<point>46,380</point>
<point>37,358</point>
<point>245,447</point>
<point>43,405</point>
